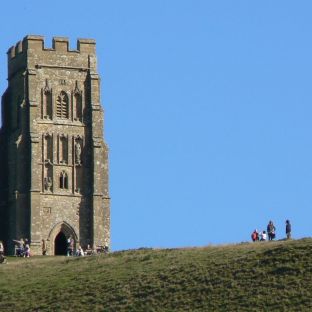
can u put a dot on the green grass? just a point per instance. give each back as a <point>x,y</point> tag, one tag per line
<point>268,276</point>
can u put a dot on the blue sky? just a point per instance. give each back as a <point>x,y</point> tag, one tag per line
<point>208,110</point>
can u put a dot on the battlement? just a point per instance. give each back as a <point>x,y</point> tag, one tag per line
<point>59,44</point>
<point>31,51</point>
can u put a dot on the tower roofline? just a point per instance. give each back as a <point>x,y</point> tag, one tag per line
<point>59,44</point>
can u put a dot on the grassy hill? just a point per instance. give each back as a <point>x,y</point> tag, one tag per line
<point>266,276</point>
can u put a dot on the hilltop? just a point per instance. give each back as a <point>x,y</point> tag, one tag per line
<point>264,276</point>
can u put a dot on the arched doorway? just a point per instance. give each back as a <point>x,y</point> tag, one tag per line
<point>58,238</point>
<point>60,244</point>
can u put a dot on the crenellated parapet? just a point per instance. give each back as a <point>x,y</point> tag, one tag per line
<point>32,53</point>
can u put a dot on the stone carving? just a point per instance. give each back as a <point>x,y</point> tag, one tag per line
<point>47,88</point>
<point>77,103</point>
<point>77,90</point>
<point>48,184</point>
<point>47,101</point>
<point>77,152</point>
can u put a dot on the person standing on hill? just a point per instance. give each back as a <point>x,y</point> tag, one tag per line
<point>271,230</point>
<point>27,250</point>
<point>254,236</point>
<point>288,229</point>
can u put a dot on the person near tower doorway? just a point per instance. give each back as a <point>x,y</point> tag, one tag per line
<point>70,246</point>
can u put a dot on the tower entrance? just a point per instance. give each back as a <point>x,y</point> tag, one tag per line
<point>58,238</point>
<point>60,244</point>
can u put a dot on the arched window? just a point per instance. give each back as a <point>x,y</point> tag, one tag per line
<point>63,180</point>
<point>62,106</point>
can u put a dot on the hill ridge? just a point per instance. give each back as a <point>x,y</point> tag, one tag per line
<point>259,276</point>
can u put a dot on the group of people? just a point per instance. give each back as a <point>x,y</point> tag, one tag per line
<point>270,233</point>
<point>22,248</point>
<point>80,252</point>
<point>89,251</point>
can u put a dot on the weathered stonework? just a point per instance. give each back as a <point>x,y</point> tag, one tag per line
<point>53,166</point>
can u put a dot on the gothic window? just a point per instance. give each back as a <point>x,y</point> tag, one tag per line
<point>63,180</point>
<point>63,149</point>
<point>48,147</point>
<point>62,106</point>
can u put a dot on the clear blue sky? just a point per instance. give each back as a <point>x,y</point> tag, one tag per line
<point>208,111</point>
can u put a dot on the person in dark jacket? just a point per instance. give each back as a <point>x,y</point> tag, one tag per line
<point>288,229</point>
<point>271,230</point>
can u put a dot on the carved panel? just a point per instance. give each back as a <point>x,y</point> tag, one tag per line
<point>78,144</point>
<point>47,101</point>
<point>63,149</point>
<point>77,103</point>
<point>78,179</point>
<point>48,178</point>
<point>48,147</point>
<point>46,210</point>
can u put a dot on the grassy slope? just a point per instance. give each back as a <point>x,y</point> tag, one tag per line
<point>270,276</point>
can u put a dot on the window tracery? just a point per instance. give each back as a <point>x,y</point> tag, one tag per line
<point>62,106</point>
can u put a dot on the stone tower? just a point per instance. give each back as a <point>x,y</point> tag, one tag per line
<point>53,166</point>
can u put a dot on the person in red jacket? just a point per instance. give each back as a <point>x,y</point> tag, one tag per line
<point>254,236</point>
